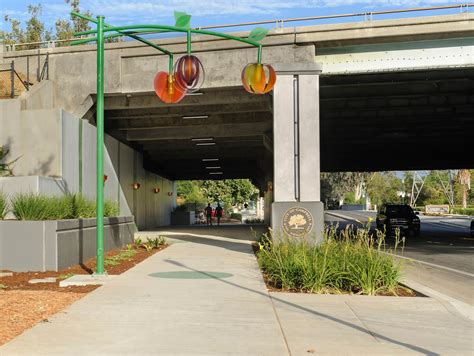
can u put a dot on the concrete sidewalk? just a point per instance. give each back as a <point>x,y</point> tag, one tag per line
<point>204,295</point>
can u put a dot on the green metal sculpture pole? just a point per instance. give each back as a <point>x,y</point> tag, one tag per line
<point>100,145</point>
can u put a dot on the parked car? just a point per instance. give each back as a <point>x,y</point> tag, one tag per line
<point>472,228</point>
<point>393,216</point>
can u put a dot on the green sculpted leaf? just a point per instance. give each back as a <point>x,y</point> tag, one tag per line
<point>183,20</point>
<point>258,34</point>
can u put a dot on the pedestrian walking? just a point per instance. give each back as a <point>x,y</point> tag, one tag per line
<point>208,211</point>
<point>219,211</point>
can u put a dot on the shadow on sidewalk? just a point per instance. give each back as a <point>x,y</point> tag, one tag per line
<point>233,238</point>
<point>329,317</point>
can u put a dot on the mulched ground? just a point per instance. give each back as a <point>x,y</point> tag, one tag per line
<point>23,304</point>
<point>401,291</point>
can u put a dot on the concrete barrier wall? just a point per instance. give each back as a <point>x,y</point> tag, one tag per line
<point>55,245</point>
<point>32,184</point>
<point>58,155</point>
<point>349,207</point>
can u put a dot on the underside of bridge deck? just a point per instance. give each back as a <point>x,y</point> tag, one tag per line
<point>398,120</point>
<point>218,134</point>
<point>369,122</point>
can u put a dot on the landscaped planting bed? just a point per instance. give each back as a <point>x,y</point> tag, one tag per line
<point>24,304</point>
<point>346,262</point>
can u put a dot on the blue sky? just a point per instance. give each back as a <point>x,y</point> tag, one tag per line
<point>209,12</point>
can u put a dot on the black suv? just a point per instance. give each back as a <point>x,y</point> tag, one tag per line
<point>393,216</point>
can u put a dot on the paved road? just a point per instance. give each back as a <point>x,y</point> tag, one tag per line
<point>444,245</point>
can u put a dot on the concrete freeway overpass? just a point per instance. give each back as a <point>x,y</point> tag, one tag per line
<point>391,94</point>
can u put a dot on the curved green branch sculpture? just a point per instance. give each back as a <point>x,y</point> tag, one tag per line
<point>184,76</point>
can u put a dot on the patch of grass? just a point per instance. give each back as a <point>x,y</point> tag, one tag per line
<point>348,261</point>
<point>463,211</point>
<point>3,286</point>
<point>3,205</point>
<point>66,276</point>
<point>121,256</point>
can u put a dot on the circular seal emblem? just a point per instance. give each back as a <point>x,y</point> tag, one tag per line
<point>297,222</point>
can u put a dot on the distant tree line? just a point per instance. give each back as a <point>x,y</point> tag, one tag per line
<point>386,187</point>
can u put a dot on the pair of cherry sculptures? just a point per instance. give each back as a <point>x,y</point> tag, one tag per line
<point>188,77</point>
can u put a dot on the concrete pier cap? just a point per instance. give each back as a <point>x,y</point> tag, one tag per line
<point>297,212</point>
<point>300,68</point>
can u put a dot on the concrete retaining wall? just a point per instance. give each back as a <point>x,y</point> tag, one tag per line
<point>183,218</point>
<point>349,207</point>
<point>58,155</point>
<point>54,245</point>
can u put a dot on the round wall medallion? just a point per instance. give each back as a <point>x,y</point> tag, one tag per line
<point>297,222</point>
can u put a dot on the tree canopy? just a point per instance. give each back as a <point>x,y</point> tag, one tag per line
<point>34,30</point>
<point>230,192</point>
<point>385,187</point>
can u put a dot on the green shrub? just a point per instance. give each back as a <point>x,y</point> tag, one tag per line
<point>463,211</point>
<point>345,262</point>
<point>236,216</point>
<point>3,205</point>
<point>181,208</point>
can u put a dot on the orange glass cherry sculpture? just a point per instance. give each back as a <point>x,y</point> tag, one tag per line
<point>258,78</point>
<point>189,73</point>
<point>166,88</point>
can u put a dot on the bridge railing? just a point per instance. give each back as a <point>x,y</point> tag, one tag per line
<point>15,76</point>
<point>279,23</point>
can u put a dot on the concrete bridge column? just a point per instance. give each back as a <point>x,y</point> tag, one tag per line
<point>297,210</point>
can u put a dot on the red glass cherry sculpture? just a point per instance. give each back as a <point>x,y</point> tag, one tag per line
<point>166,88</point>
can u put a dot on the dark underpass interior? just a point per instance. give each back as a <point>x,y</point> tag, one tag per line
<point>369,122</point>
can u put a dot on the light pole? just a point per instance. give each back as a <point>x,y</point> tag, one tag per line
<point>100,146</point>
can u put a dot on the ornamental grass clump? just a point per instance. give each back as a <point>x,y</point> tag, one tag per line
<point>3,205</point>
<point>39,207</point>
<point>347,261</point>
<point>71,206</point>
<point>82,208</point>
<point>111,208</point>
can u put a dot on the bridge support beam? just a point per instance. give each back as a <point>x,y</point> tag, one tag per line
<point>297,210</point>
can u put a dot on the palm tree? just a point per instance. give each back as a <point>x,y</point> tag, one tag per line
<point>464,178</point>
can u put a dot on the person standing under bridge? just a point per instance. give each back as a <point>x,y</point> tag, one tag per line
<point>219,214</point>
<point>208,212</point>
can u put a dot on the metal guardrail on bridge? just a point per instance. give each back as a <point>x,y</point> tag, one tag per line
<point>279,23</point>
<point>42,72</point>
